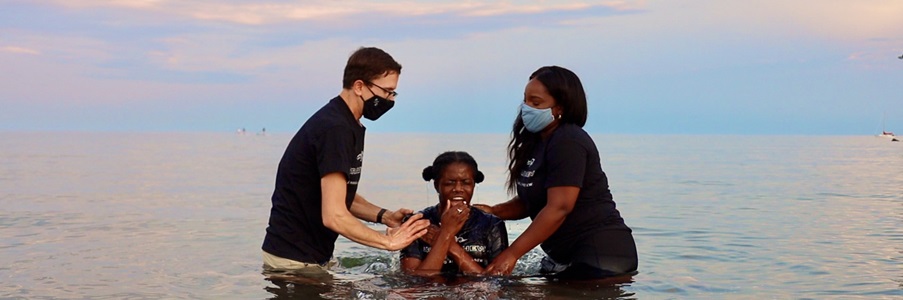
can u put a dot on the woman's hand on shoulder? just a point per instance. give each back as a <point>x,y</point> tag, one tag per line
<point>485,208</point>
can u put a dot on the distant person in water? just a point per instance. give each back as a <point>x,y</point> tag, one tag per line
<point>315,197</point>
<point>461,240</point>
<point>555,170</point>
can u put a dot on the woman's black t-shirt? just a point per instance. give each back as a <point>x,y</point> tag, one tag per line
<point>569,158</point>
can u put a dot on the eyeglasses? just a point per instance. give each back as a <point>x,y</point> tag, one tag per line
<point>392,94</point>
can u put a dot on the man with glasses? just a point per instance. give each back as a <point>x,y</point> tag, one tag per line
<point>315,197</point>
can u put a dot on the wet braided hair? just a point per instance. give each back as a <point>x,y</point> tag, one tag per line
<point>443,160</point>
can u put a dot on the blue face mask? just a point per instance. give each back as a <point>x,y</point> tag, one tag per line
<point>535,120</point>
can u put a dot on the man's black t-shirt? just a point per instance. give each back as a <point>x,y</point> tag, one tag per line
<point>569,158</point>
<point>483,236</point>
<point>332,140</point>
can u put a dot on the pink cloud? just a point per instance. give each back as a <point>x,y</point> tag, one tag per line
<point>263,13</point>
<point>19,50</point>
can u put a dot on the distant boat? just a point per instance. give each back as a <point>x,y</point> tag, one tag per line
<point>885,133</point>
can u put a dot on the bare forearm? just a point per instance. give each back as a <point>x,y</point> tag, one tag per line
<point>337,217</point>
<point>363,209</point>
<point>439,250</point>
<point>349,227</point>
<point>514,209</point>
<point>465,262</point>
<point>560,203</point>
<point>544,225</point>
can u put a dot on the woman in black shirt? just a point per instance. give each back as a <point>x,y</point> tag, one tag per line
<point>555,170</point>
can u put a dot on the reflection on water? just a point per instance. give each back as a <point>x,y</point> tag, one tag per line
<point>379,278</point>
<point>155,215</point>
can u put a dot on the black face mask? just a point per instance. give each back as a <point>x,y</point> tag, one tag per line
<point>376,106</point>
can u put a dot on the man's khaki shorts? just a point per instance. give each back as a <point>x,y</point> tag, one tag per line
<point>272,263</point>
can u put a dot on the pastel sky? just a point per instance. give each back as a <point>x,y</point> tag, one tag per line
<point>676,67</point>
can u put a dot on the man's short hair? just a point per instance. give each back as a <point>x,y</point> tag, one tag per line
<point>368,63</point>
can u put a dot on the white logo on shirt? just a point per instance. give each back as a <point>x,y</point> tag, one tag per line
<point>475,248</point>
<point>527,175</point>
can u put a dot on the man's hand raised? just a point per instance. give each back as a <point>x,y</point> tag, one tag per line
<point>403,235</point>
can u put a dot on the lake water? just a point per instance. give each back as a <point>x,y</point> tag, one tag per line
<point>182,215</point>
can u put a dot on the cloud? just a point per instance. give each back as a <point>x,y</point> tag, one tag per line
<point>19,50</point>
<point>154,39</point>
<point>267,13</point>
<point>830,19</point>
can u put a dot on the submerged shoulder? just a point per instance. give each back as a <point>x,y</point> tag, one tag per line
<point>431,210</point>
<point>431,213</point>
